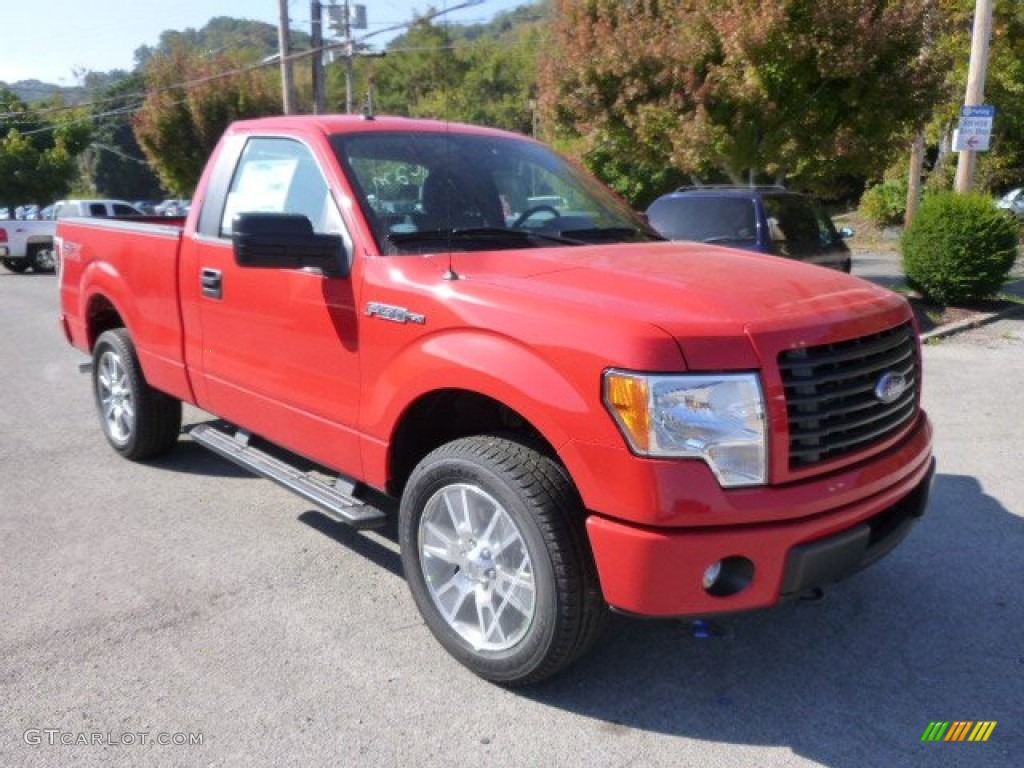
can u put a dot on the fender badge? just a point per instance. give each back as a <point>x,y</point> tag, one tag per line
<point>394,314</point>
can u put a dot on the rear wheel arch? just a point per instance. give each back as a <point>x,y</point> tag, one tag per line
<point>100,316</point>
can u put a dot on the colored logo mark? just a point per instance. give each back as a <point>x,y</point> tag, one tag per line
<point>959,730</point>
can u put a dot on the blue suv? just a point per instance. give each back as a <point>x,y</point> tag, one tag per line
<point>764,219</point>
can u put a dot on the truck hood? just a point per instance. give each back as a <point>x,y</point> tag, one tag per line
<point>701,295</point>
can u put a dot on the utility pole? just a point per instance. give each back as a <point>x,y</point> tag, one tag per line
<point>344,19</point>
<point>975,85</point>
<point>317,40</point>
<point>914,178</point>
<point>284,44</point>
<point>350,55</point>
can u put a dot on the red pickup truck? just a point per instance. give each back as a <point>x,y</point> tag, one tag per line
<point>564,412</point>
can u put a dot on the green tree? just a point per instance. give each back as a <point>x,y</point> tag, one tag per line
<point>483,74</point>
<point>1000,167</point>
<point>191,99</point>
<point>418,71</point>
<point>221,34</point>
<point>118,167</point>
<point>812,91</point>
<point>37,154</point>
<point>498,82</point>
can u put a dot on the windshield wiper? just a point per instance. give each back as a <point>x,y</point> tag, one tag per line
<point>601,234</point>
<point>727,239</point>
<point>516,236</point>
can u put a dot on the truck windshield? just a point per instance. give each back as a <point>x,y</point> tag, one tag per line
<point>425,192</point>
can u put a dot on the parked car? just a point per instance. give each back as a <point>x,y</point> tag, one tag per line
<point>64,209</point>
<point>148,207</point>
<point>764,219</point>
<point>172,207</point>
<point>28,243</point>
<point>1013,201</point>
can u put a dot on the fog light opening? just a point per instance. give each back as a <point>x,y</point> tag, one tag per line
<point>711,575</point>
<point>728,576</point>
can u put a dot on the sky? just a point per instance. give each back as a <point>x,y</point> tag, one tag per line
<point>48,41</point>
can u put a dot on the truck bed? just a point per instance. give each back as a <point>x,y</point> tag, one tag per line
<point>141,253</point>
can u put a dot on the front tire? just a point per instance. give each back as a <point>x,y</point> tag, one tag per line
<point>16,265</point>
<point>494,551</point>
<point>138,421</point>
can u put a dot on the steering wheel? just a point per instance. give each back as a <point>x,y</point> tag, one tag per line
<point>529,212</point>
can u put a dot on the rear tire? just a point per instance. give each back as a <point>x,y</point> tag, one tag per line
<point>496,558</point>
<point>138,421</point>
<point>42,258</point>
<point>17,265</point>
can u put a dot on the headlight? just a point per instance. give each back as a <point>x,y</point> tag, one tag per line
<point>715,417</point>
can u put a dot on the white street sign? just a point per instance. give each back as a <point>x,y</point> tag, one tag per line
<point>975,128</point>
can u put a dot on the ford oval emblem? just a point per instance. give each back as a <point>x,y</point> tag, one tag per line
<point>890,386</point>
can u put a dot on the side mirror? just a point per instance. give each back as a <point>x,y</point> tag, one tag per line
<point>286,241</point>
<point>846,232</point>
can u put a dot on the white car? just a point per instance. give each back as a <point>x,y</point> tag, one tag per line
<point>1013,201</point>
<point>173,207</point>
<point>64,209</point>
<point>26,243</point>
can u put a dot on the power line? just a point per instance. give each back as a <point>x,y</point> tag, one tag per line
<point>86,118</point>
<point>188,84</point>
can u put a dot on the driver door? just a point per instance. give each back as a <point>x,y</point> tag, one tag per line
<point>280,347</point>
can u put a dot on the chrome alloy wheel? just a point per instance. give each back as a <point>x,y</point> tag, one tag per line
<point>115,395</point>
<point>477,567</point>
<point>44,259</point>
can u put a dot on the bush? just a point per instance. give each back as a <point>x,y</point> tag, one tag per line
<point>885,204</point>
<point>959,248</point>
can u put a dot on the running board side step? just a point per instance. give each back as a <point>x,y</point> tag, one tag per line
<point>334,499</point>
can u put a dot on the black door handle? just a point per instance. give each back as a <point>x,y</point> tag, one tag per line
<point>211,280</point>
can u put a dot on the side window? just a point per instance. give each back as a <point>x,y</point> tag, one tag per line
<point>120,209</point>
<point>97,209</point>
<point>792,219</point>
<point>276,175</point>
<point>826,229</point>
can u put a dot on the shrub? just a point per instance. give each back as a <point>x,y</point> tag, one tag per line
<point>884,204</point>
<point>959,248</point>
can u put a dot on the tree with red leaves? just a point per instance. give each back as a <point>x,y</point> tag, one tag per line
<point>650,92</point>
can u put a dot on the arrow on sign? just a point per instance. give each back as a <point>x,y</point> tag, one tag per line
<point>972,142</point>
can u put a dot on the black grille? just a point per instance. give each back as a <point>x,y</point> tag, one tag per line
<point>831,403</point>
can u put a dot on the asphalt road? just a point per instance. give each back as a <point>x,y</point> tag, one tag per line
<point>184,600</point>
